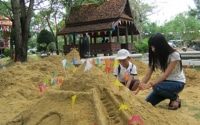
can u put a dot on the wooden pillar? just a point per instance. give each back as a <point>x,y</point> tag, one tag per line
<point>118,34</point>
<point>95,38</point>
<point>126,37</point>
<point>74,39</point>
<point>91,39</point>
<point>131,35</point>
<point>65,39</point>
<point>110,36</point>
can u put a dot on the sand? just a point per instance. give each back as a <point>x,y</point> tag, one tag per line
<point>72,96</point>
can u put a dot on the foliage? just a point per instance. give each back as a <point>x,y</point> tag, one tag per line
<point>32,42</point>
<point>51,47</point>
<point>45,37</point>
<point>7,52</point>
<point>196,12</point>
<point>142,47</point>
<point>5,9</point>
<point>182,27</point>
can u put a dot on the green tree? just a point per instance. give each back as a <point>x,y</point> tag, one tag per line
<point>196,12</point>
<point>44,39</point>
<point>52,47</point>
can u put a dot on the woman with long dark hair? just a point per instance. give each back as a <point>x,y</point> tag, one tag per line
<point>172,80</point>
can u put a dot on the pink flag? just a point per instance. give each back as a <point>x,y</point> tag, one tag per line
<point>135,119</point>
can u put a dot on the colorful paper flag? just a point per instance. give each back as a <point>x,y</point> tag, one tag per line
<point>93,62</point>
<point>40,88</point>
<point>118,83</point>
<point>64,63</point>
<point>116,63</point>
<point>53,82</point>
<point>97,61</point>
<point>107,62</point>
<point>74,70</point>
<point>46,81</point>
<point>73,100</point>
<point>124,107</point>
<point>88,66</point>
<point>136,119</point>
<point>73,60</point>
<point>67,64</point>
<point>108,69</point>
<point>44,85</point>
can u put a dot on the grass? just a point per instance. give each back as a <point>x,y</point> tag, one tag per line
<point>197,68</point>
<point>196,110</point>
<point>6,62</point>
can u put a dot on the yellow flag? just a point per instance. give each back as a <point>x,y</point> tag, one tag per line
<point>118,83</point>
<point>73,100</point>
<point>124,107</point>
<point>74,70</point>
<point>116,63</point>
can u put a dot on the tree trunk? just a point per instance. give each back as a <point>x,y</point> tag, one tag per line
<point>22,17</point>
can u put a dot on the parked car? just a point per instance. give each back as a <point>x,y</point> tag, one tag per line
<point>2,56</point>
<point>172,44</point>
<point>44,53</point>
<point>33,50</point>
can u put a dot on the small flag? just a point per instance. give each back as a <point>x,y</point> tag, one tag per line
<point>68,64</point>
<point>97,61</point>
<point>74,70</point>
<point>88,66</point>
<point>57,81</point>
<point>73,60</point>
<point>73,100</point>
<point>116,63</point>
<point>64,62</point>
<point>46,81</point>
<point>124,107</point>
<point>44,85</point>
<point>107,62</point>
<point>118,83</point>
<point>53,82</point>
<point>108,69</point>
<point>136,119</point>
<point>40,88</point>
<point>93,62</point>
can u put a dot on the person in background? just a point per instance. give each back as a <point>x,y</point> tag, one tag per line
<point>172,80</point>
<point>126,70</point>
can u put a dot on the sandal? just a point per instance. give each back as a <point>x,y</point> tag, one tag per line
<point>173,105</point>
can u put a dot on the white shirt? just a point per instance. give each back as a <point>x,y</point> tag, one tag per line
<point>131,70</point>
<point>177,74</point>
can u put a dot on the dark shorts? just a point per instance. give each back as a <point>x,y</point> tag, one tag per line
<point>132,83</point>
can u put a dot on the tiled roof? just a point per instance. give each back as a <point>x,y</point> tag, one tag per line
<point>93,18</point>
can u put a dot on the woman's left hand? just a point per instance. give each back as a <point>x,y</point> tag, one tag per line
<point>144,86</point>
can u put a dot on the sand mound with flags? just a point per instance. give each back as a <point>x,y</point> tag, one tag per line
<point>55,92</point>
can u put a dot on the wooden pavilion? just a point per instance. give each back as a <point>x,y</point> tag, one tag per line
<point>111,19</point>
<point>5,28</point>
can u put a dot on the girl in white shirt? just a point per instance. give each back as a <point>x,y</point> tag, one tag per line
<point>172,80</point>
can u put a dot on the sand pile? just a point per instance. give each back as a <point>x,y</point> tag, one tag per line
<point>84,97</point>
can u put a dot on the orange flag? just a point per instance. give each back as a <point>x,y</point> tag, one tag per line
<point>107,62</point>
<point>93,62</point>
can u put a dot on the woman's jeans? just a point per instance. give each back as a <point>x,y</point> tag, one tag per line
<point>165,90</point>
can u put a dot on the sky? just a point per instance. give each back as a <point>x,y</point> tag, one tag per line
<point>168,9</point>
